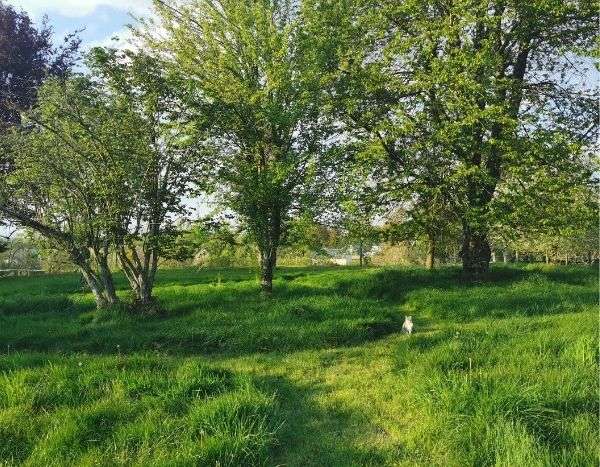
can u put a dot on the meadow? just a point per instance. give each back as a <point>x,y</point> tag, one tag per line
<point>502,372</point>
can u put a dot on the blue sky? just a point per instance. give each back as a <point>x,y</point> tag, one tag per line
<point>101,19</point>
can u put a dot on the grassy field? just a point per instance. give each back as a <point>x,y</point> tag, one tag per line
<point>499,373</point>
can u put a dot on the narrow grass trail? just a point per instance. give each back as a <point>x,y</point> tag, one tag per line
<point>335,403</point>
<point>498,373</point>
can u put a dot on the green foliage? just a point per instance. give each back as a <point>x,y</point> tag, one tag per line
<point>449,97</point>
<point>308,236</point>
<point>75,174</point>
<point>257,95</point>
<point>19,253</point>
<point>549,208</point>
<point>76,160</point>
<point>103,167</point>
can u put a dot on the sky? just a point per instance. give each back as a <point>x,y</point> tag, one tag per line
<point>100,19</point>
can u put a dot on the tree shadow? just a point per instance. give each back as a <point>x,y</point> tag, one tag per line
<point>309,310</point>
<point>318,436</point>
<point>505,291</point>
<point>208,319</point>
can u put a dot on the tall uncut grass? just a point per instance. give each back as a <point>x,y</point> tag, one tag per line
<point>500,373</point>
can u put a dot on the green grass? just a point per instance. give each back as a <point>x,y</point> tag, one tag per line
<point>498,373</point>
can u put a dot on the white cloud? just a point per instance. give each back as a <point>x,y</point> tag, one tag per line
<point>123,40</point>
<point>78,8</point>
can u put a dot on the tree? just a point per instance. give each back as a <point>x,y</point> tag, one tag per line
<point>63,184</point>
<point>164,166</point>
<point>100,167</point>
<point>27,58</point>
<point>257,93</point>
<point>470,80</point>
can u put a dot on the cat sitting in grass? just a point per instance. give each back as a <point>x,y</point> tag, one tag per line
<point>407,327</point>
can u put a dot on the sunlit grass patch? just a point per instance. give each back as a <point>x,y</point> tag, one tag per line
<point>131,409</point>
<point>513,392</point>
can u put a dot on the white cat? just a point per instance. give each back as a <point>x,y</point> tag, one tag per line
<point>407,327</point>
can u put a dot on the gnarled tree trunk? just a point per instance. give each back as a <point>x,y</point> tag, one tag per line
<point>100,283</point>
<point>140,270</point>
<point>105,276</point>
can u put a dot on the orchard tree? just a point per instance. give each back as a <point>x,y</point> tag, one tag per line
<point>66,185</point>
<point>470,79</point>
<point>101,167</point>
<point>257,93</point>
<point>164,167</point>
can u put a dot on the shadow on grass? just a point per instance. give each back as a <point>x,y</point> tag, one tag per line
<point>313,435</point>
<point>203,319</point>
<point>312,308</point>
<point>67,387</point>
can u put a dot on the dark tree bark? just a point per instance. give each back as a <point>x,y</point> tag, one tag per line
<point>475,253</point>
<point>268,261</point>
<point>268,246</point>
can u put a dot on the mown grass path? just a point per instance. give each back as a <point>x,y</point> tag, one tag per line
<point>498,373</point>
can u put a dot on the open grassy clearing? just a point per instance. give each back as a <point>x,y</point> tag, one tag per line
<point>499,373</point>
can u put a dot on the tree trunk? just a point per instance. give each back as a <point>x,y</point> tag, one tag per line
<point>101,301</point>
<point>430,259</point>
<point>504,256</point>
<point>140,274</point>
<point>493,256</point>
<point>516,256</point>
<point>547,258</point>
<point>96,287</point>
<point>268,248</point>
<point>361,261</point>
<point>268,260</point>
<point>475,252</point>
<point>105,276</point>
<point>144,295</point>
